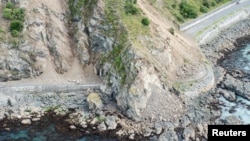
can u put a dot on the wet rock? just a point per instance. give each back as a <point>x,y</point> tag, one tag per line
<point>35,119</point>
<point>72,127</point>
<point>237,86</point>
<point>26,122</point>
<point>111,122</point>
<point>232,120</point>
<point>132,136</point>
<point>229,95</point>
<point>102,127</point>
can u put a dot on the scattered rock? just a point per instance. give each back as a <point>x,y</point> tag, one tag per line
<point>72,127</point>
<point>35,119</point>
<point>7,129</point>
<point>132,136</point>
<point>94,121</point>
<point>102,127</point>
<point>158,128</point>
<point>26,122</point>
<point>229,95</point>
<point>111,122</point>
<point>147,132</point>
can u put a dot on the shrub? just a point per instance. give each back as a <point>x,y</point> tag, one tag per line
<point>18,14</point>
<point>187,10</point>
<point>15,33</point>
<point>145,21</point>
<point>16,25</point>
<point>203,9</point>
<point>131,1</point>
<point>171,30</point>
<point>7,14</point>
<point>9,5</point>
<point>130,8</point>
<point>174,6</point>
<point>213,3</point>
<point>206,3</point>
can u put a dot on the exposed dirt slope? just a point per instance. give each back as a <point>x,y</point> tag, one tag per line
<point>186,62</point>
<point>46,17</point>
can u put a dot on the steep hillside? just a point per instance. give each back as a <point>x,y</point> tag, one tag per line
<point>148,65</point>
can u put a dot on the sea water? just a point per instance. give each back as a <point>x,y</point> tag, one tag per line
<point>240,60</point>
<point>241,109</point>
<point>49,133</point>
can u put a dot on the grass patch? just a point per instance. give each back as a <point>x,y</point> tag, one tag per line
<point>1,30</point>
<point>185,10</point>
<point>81,8</point>
<point>100,119</point>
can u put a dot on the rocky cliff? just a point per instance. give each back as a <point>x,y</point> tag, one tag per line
<point>149,71</point>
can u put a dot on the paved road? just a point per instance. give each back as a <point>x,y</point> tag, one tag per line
<point>49,88</point>
<point>199,24</point>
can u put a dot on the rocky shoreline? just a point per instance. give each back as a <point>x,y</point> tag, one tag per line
<point>225,53</point>
<point>65,128</point>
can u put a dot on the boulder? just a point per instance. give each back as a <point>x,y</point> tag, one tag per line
<point>26,122</point>
<point>102,127</point>
<point>111,122</point>
<point>94,101</point>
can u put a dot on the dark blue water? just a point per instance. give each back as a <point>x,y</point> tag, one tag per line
<point>48,133</point>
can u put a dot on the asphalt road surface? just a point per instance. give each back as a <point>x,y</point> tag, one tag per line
<point>200,23</point>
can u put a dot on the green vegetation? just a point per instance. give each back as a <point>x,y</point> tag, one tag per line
<point>145,21</point>
<point>188,10</point>
<point>130,8</point>
<point>171,30</point>
<point>81,8</point>
<point>7,13</point>
<point>203,9</point>
<point>16,16</point>
<point>100,119</point>
<point>16,25</point>
<point>1,30</point>
<point>124,18</point>
<point>15,33</point>
<point>184,10</point>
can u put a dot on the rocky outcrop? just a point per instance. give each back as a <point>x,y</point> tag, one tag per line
<point>94,101</point>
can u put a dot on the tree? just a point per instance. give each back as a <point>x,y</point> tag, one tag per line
<point>130,8</point>
<point>9,5</point>
<point>187,10</point>
<point>16,25</point>
<point>7,14</point>
<point>145,21</point>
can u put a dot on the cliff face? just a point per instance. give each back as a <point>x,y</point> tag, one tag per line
<point>150,71</point>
